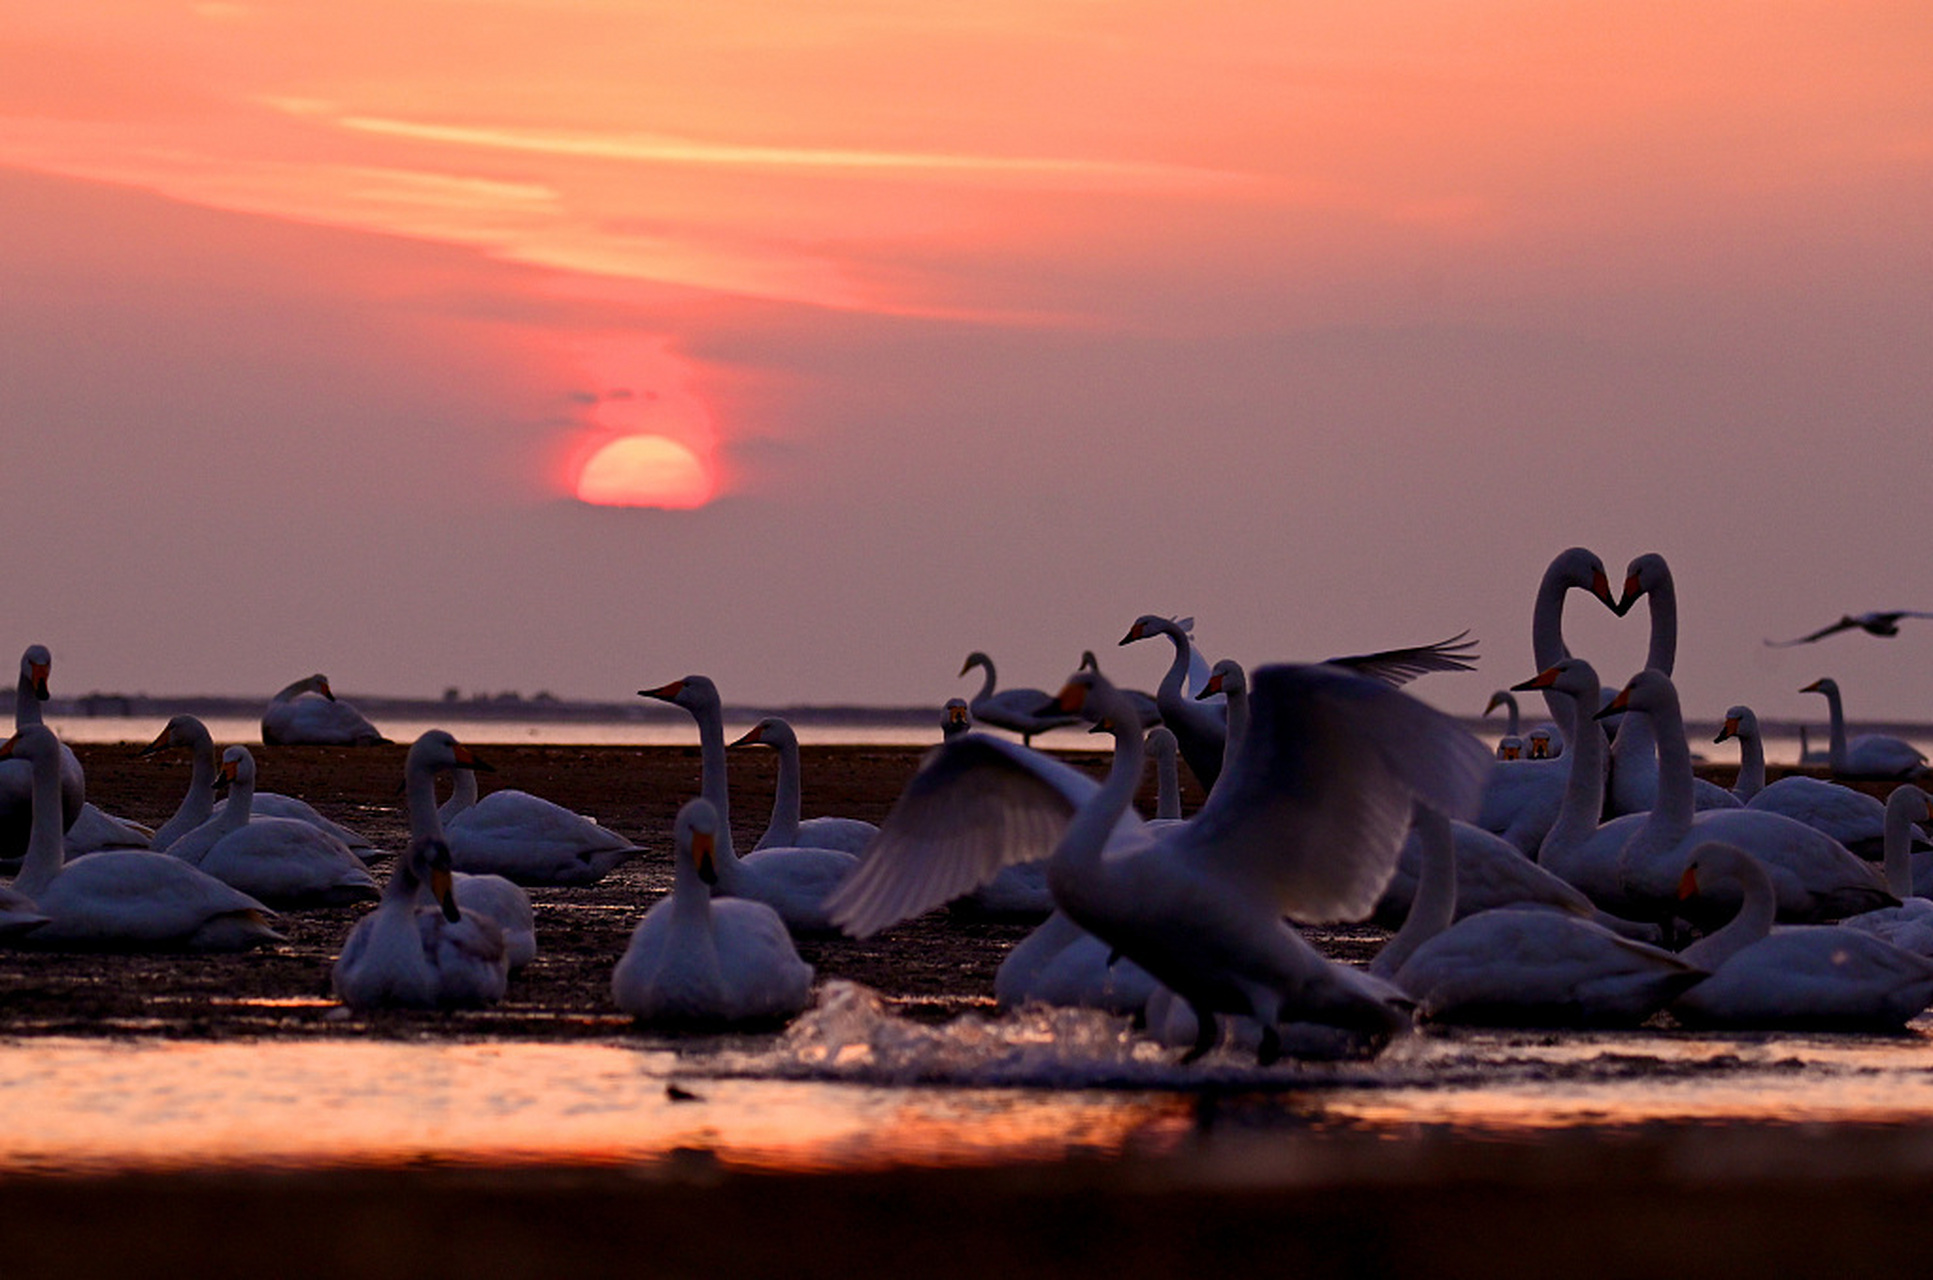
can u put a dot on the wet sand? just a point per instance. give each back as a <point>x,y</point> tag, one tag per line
<point>1252,1192</point>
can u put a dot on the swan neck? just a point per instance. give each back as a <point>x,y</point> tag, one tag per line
<point>1662,602</point>
<point>715,786</point>
<point>199,803</point>
<point>1176,677</point>
<point>26,706</point>
<point>786,798</point>
<point>1897,843</point>
<point>1167,783</point>
<point>1753,922</point>
<point>1836,742</point>
<point>46,843</point>
<point>1433,908</point>
<point>1087,835</point>
<point>419,797</point>
<point>1583,804</point>
<point>1237,726</point>
<point>1751,766</point>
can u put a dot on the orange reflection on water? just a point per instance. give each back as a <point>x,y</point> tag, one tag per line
<point>86,1106</point>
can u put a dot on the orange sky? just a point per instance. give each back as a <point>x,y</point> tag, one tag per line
<point>803,240</point>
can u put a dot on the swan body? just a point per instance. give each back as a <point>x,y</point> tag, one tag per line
<point>121,899</point>
<point>1817,976</point>
<point>696,959</point>
<point>1200,731</point>
<point>308,713</point>
<point>786,829</point>
<point>1518,965</point>
<point>1061,963</point>
<point>1815,877</point>
<point>529,840</point>
<point>419,949</point>
<point>17,777</point>
<point>1017,709</point>
<point>1307,823</point>
<point>1490,873</point>
<point>281,861</point>
<point>1851,817</point>
<point>1868,755</point>
<point>505,903</point>
<point>795,882</point>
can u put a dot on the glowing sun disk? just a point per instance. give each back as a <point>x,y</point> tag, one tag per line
<point>645,471</point>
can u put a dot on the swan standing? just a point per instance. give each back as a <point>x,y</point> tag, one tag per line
<point>793,882</point>
<point>307,712</point>
<point>1307,823</point>
<point>1017,709</point>
<point>413,954</point>
<point>1869,755</point>
<point>121,899</point>
<point>786,829</point>
<point>695,959</point>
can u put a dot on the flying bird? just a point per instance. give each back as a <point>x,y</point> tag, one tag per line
<point>1880,622</point>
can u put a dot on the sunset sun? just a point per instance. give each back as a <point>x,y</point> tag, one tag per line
<point>645,471</point>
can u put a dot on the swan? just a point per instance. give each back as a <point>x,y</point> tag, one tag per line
<point>1307,823</point>
<point>283,862</point>
<point>1851,817</point>
<point>17,777</point>
<point>1145,706</point>
<point>198,805</point>
<point>1815,876</point>
<point>1519,966</point>
<point>1542,743</point>
<point>503,901</point>
<point>1817,976</point>
<point>956,717</point>
<point>1201,731</point>
<point>1490,871</point>
<point>308,713</point>
<point>696,959</point>
<point>1870,755</point>
<point>1166,754</point>
<point>121,899</point>
<point>1513,724</point>
<point>1227,679</point>
<point>1017,709</point>
<point>793,882</point>
<point>1878,622</point>
<point>1511,747</point>
<point>1061,963</point>
<point>1579,846</point>
<point>1910,924</point>
<point>527,839</point>
<point>416,955</point>
<point>786,829</point>
<point>1634,756</point>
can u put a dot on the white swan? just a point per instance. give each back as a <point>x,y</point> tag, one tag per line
<point>1201,731</point>
<point>793,882</point>
<point>121,899</point>
<point>1307,823</point>
<point>198,804</point>
<point>1878,622</point>
<point>413,954</point>
<point>1851,817</point>
<point>1490,872</point>
<point>307,712</point>
<point>527,839</point>
<point>283,862</point>
<point>1061,963</point>
<point>1519,966</point>
<point>1579,846</point>
<point>1513,716</point>
<point>696,959</point>
<point>956,717</point>
<point>1815,876</point>
<point>1017,709</point>
<point>786,829</point>
<point>1820,976</point>
<point>1166,754</point>
<point>437,751</point>
<point>1634,756</point>
<point>1910,924</point>
<point>1869,755</point>
<point>17,777</point>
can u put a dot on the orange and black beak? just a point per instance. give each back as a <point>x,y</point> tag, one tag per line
<point>1213,687</point>
<point>443,883</point>
<point>1728,730</point>
<point>704,854</point>
<point>1615,705</point>
<point>6,748</point>
<point>1542,680</point>
<point>753,737</point>
<point>1632,590</point>
<point>224,775</point>
<point>1069,701</point>
<point>37,673</point>
<point>667,692</point>
<point>159,745</point>
<point>468,759</point>
<point>1134,633</point>
<point>1688,883</point>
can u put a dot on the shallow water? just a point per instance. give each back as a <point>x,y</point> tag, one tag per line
<point>852,1087</point>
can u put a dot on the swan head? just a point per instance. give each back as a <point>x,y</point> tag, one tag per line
<point>1573,677</point>
<point>693,693</point>
<point>1537,744</point>
<point>1740,722</point>
<point>180,731</point>
<point>237,767</point>
<point>955,717</point>
<point>36,664</point>
<point>1824,684</point>
<point>1715,861</point>
<point>772,731</point>
<point>1647,692</point>
<point>1226,676</point>
<point>976,659</point>
<point>427,861</point>
<point>1580,567</point>
<point>1501,698</point>
<point>696,835</point>
<point>1153,624</point>
<point>437,750</point>
<point>1646,575</point>
<point>1510,747</point>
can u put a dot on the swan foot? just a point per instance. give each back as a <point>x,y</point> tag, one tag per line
<point>1207,1034</point>
<point>1269,1052</point>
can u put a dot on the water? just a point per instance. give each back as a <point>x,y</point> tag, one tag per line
<point>478,731</point>
<point>852,1087</point>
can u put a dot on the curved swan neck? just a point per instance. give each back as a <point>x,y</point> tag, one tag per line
<point>1754,918</point>
<point>1582,808</point>
<point>46,844</point>
<point>1905,806</point>
<point>1176,677</point>
<point>1087,834</point>
<point>1836,713</point>
<point>1237,695</point>
<point>463,794</point>
<point>199,802</point>
<point>419,798</point>
<point>1662,602</point>
<point>1671,816</point>
<point>987,680</point>
<point>1433,908</point>
<point>787,801</point>
<point>1751,763</point>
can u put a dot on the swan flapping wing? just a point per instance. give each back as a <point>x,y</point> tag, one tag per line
<point>1400,666</point>
<point>977,804</point>
<point>1314,810</point>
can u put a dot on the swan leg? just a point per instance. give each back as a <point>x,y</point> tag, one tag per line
<point>1270,1050</point>
<point>1207,1033</point>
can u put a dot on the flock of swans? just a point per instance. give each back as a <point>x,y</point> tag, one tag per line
<point>1589,880</point>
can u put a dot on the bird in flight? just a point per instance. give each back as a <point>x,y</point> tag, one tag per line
<point>1881,622</point>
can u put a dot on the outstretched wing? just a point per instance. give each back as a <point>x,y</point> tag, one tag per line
<point>1846,623</point>
<point>977,804</point>
<point>1315,807</point>
<point>1400,666</point>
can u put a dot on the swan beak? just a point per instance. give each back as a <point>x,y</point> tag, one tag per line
<point>225,775</point>
<point>1615,705</point>
<point>1632,590</point>
<point>468,759</point>
<point>1688,883</point>
<point>668,692</point>
<point>1510,752</point>
<point>37,673</point>
<point>704,848</point>
<point>956,715</point>
<point>1811,688</point>
<point>753,737</point>
<point>1542,680</point>
<point>1135,632</point>
<point>159,745</point>
<point>322,687</point>
<point>1069,701</point>
<point>1729,731</point>
<point>6,748</point>
<point>1213,687</point>
<point>1601,588</point>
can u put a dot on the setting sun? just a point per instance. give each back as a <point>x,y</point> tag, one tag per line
<point>645,471</point>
